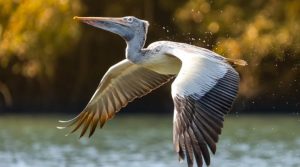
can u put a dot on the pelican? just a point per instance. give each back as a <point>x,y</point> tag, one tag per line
<point>203,92</point>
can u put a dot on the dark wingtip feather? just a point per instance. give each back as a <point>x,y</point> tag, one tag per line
<point>102,124</point>
<point>189,149</point>
<point>213,148</point>
<point>87,123</point>
<point>181,155</point>
<point>79,122</point>
<point>93,127</point>
<point>205,153</point>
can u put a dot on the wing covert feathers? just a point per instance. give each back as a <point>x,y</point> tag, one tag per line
<point>122,83</point>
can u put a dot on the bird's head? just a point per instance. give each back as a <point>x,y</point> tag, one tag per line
<point>127,27</point>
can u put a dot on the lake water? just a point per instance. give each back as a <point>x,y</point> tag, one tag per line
<point>145,141</point>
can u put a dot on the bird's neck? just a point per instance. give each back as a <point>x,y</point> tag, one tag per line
<point>134,50</point>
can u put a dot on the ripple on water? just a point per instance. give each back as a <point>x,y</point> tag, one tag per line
<point>44,147</point>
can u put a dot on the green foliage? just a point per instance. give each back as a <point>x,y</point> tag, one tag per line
<point>33,34</point>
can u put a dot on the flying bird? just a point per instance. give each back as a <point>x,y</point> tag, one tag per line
<point>203,92</point>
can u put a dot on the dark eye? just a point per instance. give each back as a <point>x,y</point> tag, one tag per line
<point>129,19</point>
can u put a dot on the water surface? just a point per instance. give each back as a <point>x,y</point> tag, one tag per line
<point>145,140</point>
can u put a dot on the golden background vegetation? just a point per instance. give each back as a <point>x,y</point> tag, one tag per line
<point>49,61</point>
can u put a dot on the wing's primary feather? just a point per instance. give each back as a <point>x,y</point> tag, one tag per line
<point>203,93</point>
<point>121,84</point>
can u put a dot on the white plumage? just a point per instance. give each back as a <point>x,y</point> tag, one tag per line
<point>203,91</point>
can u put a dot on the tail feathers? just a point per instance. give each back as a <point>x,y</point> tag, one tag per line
<point>238,62</point>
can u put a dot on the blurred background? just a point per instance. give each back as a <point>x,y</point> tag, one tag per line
<point>51,64</point>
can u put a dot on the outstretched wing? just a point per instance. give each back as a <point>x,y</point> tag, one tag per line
<point>121,84</point>
<point>203,93</point>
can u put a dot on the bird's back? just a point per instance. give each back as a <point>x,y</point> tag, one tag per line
<point>159,59</point>
<point>170,45</point>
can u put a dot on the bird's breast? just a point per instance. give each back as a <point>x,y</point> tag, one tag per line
<point>163,64</point>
